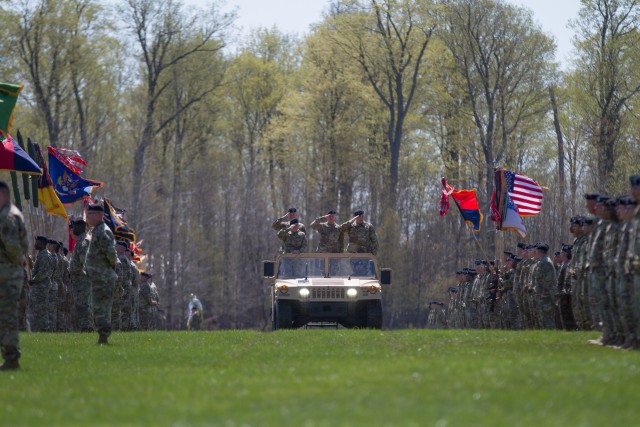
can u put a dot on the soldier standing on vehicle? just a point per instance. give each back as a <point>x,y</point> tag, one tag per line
<point>329,232</point>
<point>362,235</point>
<point>100,266</point>
<point>285,220</point>
<point>13,251</point>
<point>295,240</point>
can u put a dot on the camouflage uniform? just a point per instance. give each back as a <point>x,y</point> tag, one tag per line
<point>624,285</point>
<point>463,292</point>
<point>123,270</point>
<point>490,288</point>
<point>475,296</point>
<point>155,308</point>
<point>81,286</point>
<point>282,223</point>
<point>454,312</point>
<point>597,279</point>
<point>61,293</point>
<point>145,309</point>
<point>328,235</point>
<point>576,280</point>
<point>135,297</point>
<point>525,290</point>
<point>632,264</point>
<point>13,246</point>
<point>101,260</point>
<point>40,285</point>
<point>610,248</point>
<point>546,285</point>
<point>510,314</point>
<point>294,241</point>
<point>362,237</point>
<point>564,297</point>
<point>437,318</point>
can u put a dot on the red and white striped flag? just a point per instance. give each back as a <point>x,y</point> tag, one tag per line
<point>525,193</point>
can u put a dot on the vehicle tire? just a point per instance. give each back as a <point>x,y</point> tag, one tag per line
<point>374,315</point>
<point>282,316</point>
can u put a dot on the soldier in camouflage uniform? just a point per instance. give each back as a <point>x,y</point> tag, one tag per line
<point>597,276</point>
<point>437,316</point>
<point>56,280</point>
<point>490,294</point>
<point>40,285</point>
<point>123,270</point>
<point>546,285</point>
<point>564,289</point>
<point>13,251</point>
<point>80,284</point>
<point>624,283</point>
<point>156,313</point>
<point>454,314</point>
<point>295,240</point>
<point>612,232</point>
<point>62,317</point>
<point>583,272</point>
<point>362,235</point>
<point>632,262</point>
<point>530,303</point>
<point>466,297</point>
<point>285,221</point>
<point>147,307</point>
<point>575,271</point>
<point>119,288</point>
<point>329,231</point>
<point>134,275</point>
<point>476,295</point>
<point>100,265</point>
<point>518,290</point>
<point>510,313</point>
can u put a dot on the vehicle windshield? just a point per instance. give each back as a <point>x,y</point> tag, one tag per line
<point>359,267</point>
<point>291,268</point>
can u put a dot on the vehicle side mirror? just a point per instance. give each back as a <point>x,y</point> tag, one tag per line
<point>385,276</point>
<point>268,269</point>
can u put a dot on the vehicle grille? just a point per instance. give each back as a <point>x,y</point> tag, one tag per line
<point>327,293</point>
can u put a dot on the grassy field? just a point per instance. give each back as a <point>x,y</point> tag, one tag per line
<point>322,378</point>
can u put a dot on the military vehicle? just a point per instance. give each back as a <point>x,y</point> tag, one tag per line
<point>327,288</point>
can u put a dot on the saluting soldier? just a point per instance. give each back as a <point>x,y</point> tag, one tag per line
<point>329,232</point>
<point>362,235</point>
<point>13,250</point>
<point>40,286</point>
<point>80,284</point>
<point>100,266</point>
<point>294,239</point>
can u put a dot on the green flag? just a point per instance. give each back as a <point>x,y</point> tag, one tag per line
<point>8,97</point>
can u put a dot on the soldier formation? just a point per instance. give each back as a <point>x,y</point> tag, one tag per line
<point>97,287</point>
<point>361,235</point>
<point>593,283</point>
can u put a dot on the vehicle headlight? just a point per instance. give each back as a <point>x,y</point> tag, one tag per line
<point>304,293</point>
<point>352,293</point>
<point>373,289</point>
<point>283,289</point>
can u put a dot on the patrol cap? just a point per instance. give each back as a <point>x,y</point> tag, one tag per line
<point>293,221</point>
<point>52,242</point>
<point>575,220</point>
<point>626,201</point>
<point>122,243</point>
<point>542,247</point>
<point>589,220</point>
<point>634,180</point>
<point>556,253</point>
<point>42,239</point>
<point>358,212</point>
<point>471,272</point>
<point>78,222</point>
<point>452,289</point>
<point>146,274</point>
<point>517,258</point>
<point>95,208</point>
<point>292,210</point>
<point>591,196</point>
<point>331,212</point>
<point>460,272</point>
<point>601,198</point>
<point>611,202</point>
<point>507,253</point>
<point>567,248</point>
<point>481,262</point>
<point>522,245</point>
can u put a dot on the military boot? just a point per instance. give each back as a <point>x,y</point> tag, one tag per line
<point>102,339</point>
<point>10,365</point>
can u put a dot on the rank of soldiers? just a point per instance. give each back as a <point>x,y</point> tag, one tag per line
<point>593,283</point>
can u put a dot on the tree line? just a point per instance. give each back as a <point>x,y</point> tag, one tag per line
<point>206,145</point>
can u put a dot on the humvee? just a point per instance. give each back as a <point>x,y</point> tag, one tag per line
<point>328,288</point>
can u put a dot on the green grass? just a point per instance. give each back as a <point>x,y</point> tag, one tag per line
<point>322,378</point>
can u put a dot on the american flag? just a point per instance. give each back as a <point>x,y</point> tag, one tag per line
<point>525,193</point>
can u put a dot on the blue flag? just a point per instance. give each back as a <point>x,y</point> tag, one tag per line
<point>69,186</point>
